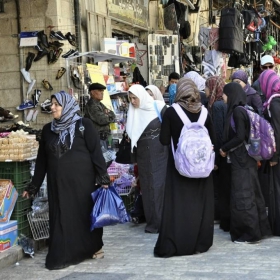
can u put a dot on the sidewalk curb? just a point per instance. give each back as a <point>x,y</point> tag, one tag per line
<point>11,256</point>
<point>15,253</point>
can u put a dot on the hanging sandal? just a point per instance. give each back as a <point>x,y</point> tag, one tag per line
<point>98,255</point>
<point>47,85</point>
<point>60,73</point>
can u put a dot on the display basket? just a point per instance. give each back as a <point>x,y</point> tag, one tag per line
<point>39,224</point>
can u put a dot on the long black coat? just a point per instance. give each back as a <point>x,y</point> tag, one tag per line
<point>71,177</point>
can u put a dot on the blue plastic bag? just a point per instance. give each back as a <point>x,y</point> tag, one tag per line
<point>108,209</point>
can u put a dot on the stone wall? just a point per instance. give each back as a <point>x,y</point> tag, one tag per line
<point>35,15</point>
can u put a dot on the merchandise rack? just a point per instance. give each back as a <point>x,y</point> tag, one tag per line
<point>39,224</point>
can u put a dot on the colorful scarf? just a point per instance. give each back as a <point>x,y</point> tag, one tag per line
<point>270,84</point>
<point>216,85</point>
<point>70,115</point>
<point>188,95</point>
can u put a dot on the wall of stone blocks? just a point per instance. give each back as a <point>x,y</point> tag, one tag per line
<point>35,15</point>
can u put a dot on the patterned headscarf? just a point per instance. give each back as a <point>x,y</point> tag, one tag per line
<point>69,116</point>
<point>197,79</point>
<point>156,92</point>
<point>216,85</point>
<point>188,95</point>
<point>270,84</point>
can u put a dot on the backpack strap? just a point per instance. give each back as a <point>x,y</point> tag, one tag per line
<point>203,116</point>
<point>184,118</point>
<point>269,100</point>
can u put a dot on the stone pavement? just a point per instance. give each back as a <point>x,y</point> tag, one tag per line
<point>129,256</point>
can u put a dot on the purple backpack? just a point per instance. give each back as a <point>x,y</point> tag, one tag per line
<point>261,144</point>
<point>194,156</point>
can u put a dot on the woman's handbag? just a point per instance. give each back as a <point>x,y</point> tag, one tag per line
<point>108,208</point>
<point>124,154</point>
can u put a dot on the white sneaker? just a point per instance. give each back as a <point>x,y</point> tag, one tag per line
<point>26,75</point>
<point>31,85</point>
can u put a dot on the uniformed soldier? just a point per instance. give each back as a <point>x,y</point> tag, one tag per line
<point>98,113</point>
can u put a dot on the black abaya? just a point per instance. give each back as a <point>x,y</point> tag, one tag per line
<point>188,209</point>
<point>71,177</point>
<point>274,185</point>
<point>249,221</point>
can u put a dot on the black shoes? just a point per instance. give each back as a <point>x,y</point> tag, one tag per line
<point>43,38</point>
<point>29,60</point>
<point>36,96</point>
<point>41,54</point>
<point>71,39</point>
<point>57,35</point>
<point>56,44</point>
<point>70,53</point>
<point>54,55</point>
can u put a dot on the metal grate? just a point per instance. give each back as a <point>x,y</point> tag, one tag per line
<point>39,224</point>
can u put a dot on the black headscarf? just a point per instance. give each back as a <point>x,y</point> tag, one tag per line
<point>236,96</point>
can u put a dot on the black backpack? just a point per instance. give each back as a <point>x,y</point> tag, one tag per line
<point>231,31</point>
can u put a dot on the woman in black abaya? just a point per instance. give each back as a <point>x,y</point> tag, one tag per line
<point>188,209</point>
<point>74,163</point>
<point>249,222</point>
<point>270,85</point>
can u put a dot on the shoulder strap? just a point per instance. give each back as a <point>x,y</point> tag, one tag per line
<point>157,110</point>
<point>181,113</point>
<point>203,116</point>
<point>269,100</point>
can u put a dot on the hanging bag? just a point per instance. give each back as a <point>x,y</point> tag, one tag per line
<point>108,208</point>
<point>231,31</point>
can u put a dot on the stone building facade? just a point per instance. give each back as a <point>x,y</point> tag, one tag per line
<point>88,19</point>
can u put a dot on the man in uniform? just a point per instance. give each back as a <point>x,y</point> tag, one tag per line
<point>98,113</point>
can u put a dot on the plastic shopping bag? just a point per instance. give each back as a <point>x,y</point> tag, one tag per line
<point>108,209</point>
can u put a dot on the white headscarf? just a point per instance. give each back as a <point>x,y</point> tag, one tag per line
<point>139,118</point>
<point>156,92</point>
<point>197,79</point>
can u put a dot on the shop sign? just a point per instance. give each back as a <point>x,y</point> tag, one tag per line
<point>134,12</point>
<point>28,39</point>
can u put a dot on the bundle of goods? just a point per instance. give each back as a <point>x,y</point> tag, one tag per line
<point>123,184</point>
<point>116,170</point>
<point>18,146</point>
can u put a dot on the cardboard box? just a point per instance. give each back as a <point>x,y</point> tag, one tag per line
<point>8,235</point>
<point>8,198</point>
<point>109,45</point>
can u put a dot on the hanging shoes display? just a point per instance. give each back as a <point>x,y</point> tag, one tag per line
<point>60,72</point>
<point>71,39</point>
<point>47,85</point>
<point>43,38</point>
<point>29,59</point>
